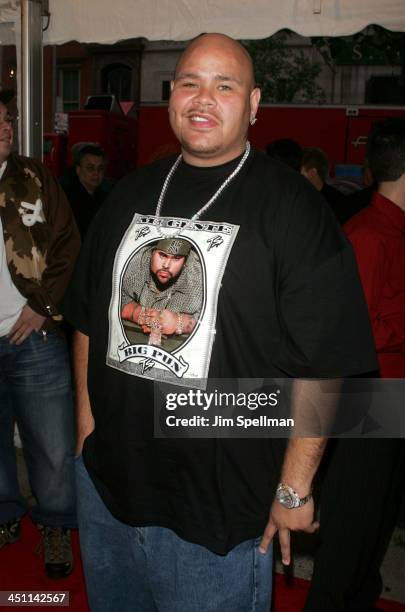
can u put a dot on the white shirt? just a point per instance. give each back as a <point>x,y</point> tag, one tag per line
<point>11,300</point>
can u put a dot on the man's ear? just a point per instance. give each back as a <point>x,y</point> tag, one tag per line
<point>254,101</point>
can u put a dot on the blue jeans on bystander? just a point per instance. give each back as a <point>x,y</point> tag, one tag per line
<point>36,393</point>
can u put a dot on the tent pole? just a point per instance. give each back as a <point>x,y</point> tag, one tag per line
<point>31,77</point>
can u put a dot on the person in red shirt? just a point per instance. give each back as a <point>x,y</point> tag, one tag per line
<point>377,234</point>
<point>364,480</point>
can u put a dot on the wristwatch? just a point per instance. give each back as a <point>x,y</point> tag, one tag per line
<point>290,498</point>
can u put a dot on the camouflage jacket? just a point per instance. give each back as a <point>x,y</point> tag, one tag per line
<point>40,234</point>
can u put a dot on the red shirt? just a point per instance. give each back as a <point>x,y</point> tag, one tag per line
<point>377,234</point>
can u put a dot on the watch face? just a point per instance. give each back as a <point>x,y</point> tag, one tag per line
<point>286,497</point>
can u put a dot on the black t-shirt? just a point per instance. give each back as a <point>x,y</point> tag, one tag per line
<point>289,303</point>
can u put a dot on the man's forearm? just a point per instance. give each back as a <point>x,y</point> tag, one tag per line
<point>314,406</point>
<point>314,411</point>
<point>84,416</point>
<point>301,462</point>
<point>311,399</point>
<point>131,312</point>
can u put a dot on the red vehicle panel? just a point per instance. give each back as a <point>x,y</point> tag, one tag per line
<point>340,131</point>
<point>358,128</point>
<point>116,134</point>
<point>55,147</point>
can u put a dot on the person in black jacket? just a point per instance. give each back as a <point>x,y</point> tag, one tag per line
<point>315,167</point>
<point>85,186</point>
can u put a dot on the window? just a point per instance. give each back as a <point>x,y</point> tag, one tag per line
<point>69,88</point>
<point>165,90</point>
<point>385,90</point>
<point>116,80</point>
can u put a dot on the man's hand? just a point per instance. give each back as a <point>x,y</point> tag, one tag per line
<point>285,520</point>
<point>167,321</point>
<point>84,415</point>
<point>27,322</point>
<point>131,311</point>
<point>84,427</point>
<point>301,461</point>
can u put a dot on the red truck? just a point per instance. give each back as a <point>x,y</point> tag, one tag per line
<point>341,131</point>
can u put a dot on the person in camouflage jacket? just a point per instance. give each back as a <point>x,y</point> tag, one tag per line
<point>39,242</point>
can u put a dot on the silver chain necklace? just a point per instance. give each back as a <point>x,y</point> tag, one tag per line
<point>206,206</point>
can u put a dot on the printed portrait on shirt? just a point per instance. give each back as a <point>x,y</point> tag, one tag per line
<point>162,294</point>
<point>165,288</point>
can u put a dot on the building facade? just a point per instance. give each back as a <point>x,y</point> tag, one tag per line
<point>139,71</point>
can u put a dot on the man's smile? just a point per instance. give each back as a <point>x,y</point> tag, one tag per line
<point>202,120</point>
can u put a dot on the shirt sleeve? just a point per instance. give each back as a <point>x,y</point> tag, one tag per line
<point>373,264</point>
<point>322,309</point>
<point>63,247</point>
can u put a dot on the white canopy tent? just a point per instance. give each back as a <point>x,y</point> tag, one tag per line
<point>106,22</point>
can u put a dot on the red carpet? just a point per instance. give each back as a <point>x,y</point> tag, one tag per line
<point>22,570</point>
<point>291,598</point>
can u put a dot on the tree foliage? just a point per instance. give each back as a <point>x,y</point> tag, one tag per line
<point>374,45</point>
<point>285,74</point>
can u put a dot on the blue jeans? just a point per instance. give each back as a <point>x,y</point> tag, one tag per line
<point>36,392</point>
<point>150,569</point>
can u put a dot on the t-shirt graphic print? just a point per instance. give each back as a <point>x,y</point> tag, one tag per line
<point>166,280</point>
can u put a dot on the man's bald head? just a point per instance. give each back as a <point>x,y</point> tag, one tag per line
<point>225,44</point>
<point>213,99</point>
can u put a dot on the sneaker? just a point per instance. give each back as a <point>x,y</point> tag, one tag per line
<point>57,550</point>
<point>10,532</point>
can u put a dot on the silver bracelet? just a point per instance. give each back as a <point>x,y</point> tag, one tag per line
<point>179,328</point>
<point>141,316</point>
